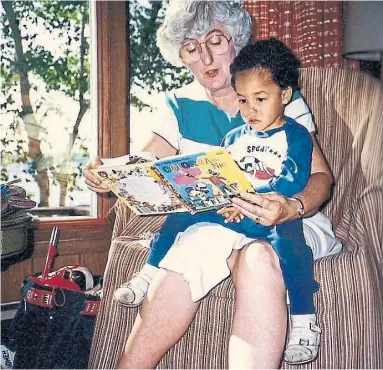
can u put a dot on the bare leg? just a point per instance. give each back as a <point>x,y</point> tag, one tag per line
<point>163,319</point>
<point>259,325</point>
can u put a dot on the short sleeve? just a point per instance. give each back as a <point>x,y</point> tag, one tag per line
<point>298,110</point>
<point>166,123</point>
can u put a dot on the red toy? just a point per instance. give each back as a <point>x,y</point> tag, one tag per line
<point>76,278</point>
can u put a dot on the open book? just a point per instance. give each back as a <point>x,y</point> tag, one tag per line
<point>181,183</point>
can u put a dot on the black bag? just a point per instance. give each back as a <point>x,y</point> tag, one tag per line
<point>53,328</point>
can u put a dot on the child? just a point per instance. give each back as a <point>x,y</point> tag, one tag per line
<point>274,152</point>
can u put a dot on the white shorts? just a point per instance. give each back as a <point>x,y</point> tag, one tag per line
<point>200,253</point>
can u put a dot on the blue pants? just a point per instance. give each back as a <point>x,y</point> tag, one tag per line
<point>287,239</point>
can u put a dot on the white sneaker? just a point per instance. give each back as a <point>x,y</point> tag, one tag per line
<point>133,292</point>
<point>303,344</point>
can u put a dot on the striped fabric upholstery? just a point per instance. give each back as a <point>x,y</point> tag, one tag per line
<point>348,109</point>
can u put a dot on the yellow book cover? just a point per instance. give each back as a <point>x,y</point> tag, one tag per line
<point>204,180</point>
<point>220,163</point>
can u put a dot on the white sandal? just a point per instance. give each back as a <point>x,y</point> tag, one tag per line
<point>137,287</point>
<point>303,345</point>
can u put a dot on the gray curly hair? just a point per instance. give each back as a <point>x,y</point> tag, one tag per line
<point>191,18</point>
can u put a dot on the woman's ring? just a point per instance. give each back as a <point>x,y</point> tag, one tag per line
<point>257,219</point>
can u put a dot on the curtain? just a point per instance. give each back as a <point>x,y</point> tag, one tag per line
<point>312,29</point>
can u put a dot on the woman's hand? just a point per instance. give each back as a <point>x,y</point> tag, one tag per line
<point>267,209</point>
<point>231,214</point>
<point>93,182</point>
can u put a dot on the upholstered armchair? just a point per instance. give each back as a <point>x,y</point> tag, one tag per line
<point>348,111</point>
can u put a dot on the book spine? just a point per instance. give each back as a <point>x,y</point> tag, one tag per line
<point>173,190</point>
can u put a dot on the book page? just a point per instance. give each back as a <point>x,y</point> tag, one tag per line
<point>140,188</point>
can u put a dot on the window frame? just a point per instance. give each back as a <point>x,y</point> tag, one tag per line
<point>112,92</point>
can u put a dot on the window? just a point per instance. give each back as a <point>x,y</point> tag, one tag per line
<point>87,240</point>
<point>49,112</point>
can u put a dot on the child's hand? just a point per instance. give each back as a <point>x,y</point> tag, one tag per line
<point>231,214</point>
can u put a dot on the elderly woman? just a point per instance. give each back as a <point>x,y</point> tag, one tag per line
<point>205,37</point>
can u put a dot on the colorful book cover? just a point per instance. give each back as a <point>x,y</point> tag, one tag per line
<point>181,183</point>
<point>204,180</point>
<point>141,189</point>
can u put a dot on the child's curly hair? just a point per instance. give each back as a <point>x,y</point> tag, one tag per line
<point>272,55</point>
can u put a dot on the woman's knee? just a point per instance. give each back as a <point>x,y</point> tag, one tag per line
<point>257,258</point>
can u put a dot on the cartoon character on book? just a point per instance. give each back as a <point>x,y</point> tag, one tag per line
<point>220,182</point>
<point>116,175</point>
<point>148,207</point>
<point>103,174</point>
<point>194,196</point>
<point>187,176</point>
<point>200,194</point>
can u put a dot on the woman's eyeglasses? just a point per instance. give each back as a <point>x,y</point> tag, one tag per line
<point>216,44</point>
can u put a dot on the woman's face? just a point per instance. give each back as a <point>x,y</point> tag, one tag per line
<point>213,71</point>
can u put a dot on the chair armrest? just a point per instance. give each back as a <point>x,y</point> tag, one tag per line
<point>362,226</point>
<point>349,307</point>
<point>122,215</point>
<point>137,227</point>
<point>350,298</point>
<point>371,219</point>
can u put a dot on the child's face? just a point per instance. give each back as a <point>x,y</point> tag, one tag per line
<point>261,100</point>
